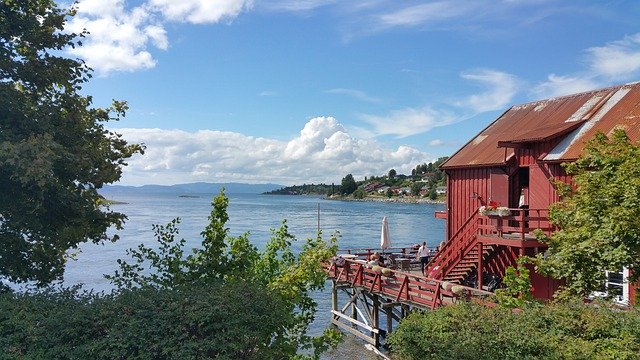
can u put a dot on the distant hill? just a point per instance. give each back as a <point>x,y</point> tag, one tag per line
<point>193,188</point>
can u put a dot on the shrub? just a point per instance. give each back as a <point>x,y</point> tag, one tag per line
<point>223,321</point>
<point>556,331</point>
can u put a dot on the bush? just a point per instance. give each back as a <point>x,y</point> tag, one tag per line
<point>556,331</point>
<point>223,321</point>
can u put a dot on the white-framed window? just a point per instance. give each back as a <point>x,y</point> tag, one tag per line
<point>615,286</point>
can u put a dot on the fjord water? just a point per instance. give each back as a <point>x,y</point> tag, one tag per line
<point>359,225</point>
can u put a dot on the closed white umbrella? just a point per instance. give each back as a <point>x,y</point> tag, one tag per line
<point>385,239</point>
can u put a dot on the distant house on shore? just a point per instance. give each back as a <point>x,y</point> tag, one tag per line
<point>511,163</point>
<point>372,186</point>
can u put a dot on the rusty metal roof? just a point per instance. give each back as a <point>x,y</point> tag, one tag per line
<point>574,119</point>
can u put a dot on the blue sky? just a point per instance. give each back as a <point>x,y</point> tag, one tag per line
<point>308,91</point>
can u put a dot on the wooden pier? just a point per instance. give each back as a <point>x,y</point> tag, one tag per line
<point>378,298</point>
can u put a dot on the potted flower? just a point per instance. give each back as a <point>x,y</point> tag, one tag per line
<point>494,208</point>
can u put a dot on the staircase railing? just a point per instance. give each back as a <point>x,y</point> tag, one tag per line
<point>454,249</point>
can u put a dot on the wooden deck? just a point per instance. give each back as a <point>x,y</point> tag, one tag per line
<point>392,292</point>
<point>400,286</point>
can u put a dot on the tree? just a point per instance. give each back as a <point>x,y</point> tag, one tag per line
<point>54,149</point>
<point>416,187</point>
<point>598,217</point>
<point>348,185</point>
<point>392,174</point>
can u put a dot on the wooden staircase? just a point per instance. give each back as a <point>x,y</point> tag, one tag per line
<point>459,256</point>
<point>468,264</point>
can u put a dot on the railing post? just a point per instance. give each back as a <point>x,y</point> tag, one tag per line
<point>522,224</point>
<point>480,265</point>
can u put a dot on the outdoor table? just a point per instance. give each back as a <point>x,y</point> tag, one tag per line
<point>405,263</point>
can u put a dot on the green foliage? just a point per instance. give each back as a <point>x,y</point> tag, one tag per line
<point>433,194</point>
<point>416,187</point>
<point>392,174</point>
<point>359,193</point>
<point>348,185</point>
<point>517,293</point>
<point>222,258</point>
<point>558,331</point>
<point>598,218</point>
<point>231,320</point>
<point>54,148</point>
<point>305,189</point>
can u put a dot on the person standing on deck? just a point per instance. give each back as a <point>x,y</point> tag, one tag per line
<point>423,255</point>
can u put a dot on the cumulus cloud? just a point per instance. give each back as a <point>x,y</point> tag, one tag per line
<point>121,39</point>
<point>118,38</point>
<point>322,152</point>
<point>500,90</point>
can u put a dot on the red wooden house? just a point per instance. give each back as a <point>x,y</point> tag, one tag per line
<point>510,163</point>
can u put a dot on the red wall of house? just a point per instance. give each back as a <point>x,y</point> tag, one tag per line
<point>461,201</point>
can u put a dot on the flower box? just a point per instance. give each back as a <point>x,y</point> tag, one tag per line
<point>494,211</point>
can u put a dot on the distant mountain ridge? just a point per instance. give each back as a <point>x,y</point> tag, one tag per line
<point>193,188</point>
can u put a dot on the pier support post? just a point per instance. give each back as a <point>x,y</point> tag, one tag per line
<point>389,312</point>
<point>334,298</point>
<point>354,304</point>
<point>375,319</point>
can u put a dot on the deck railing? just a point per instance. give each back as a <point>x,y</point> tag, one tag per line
<point>519,224</point>
<point>403,287</point>
<point>454,249</point>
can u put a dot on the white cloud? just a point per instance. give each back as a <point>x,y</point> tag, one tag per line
<point>563,85</point>
<point>267,93</point>
<point>118,39</point>
<point>121,39</point>
<point>428,13</point>
<point>297,5</point>
<point>356,94</point>
<point>323,152</point>
<point>200,11</point>
<point>409,121</point>
<point>501,88</point>
<point>436,142</point>
<point>618,59</point>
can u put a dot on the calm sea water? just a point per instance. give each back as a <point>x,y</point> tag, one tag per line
<point>359,225</point>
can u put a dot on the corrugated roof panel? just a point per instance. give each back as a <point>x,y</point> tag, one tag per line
<point>601,109</point>
<point>617,111</point>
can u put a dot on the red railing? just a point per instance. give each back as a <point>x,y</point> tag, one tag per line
<point>519,224</point>
<point>454,249</point>
<point>401,286</point>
